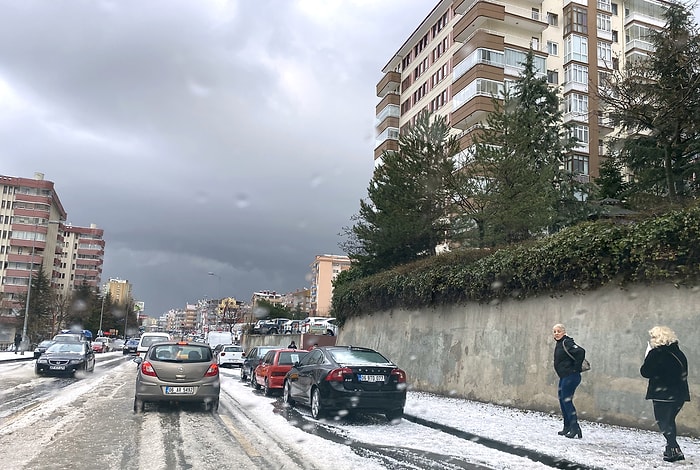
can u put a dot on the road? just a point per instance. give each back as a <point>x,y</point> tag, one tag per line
<point>62,423</point>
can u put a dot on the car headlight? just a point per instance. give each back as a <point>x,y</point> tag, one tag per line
<point>42,360</point>
<point>77,361</point>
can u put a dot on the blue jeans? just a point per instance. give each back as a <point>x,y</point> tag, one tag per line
<point>567,387</point>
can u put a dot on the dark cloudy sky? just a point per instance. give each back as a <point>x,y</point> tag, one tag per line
<point>233,137</point>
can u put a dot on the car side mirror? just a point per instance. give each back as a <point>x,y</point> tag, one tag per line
<point>138,360</point>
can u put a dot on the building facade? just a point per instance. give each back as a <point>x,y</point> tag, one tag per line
<point>81,258</point>
<point>324,270</point>
<point>119,291</point>
<point>465,52</point>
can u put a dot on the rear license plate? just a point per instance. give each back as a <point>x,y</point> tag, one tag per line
<point>370,378</point>
<point>57,367</point>
<point>180,390</point>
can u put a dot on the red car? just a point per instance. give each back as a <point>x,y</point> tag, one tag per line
<point>269,375</point>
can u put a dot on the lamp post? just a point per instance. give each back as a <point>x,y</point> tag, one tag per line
<point>218,294</point>
<point>25,340</point>
<point>102,312</point>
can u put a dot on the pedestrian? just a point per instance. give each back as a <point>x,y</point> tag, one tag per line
<point>292,345</point>
<point>568,358</point>
<point>666,367</point>
<point>18,341</point>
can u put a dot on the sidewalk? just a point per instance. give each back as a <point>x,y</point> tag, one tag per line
<point>532,434</point>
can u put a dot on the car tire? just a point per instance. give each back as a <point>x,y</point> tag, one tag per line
<point>393,415</point>
<point>211,406</point>
<point>256,385</point>
<point>139,405</point>
<point>317,411</point>
<point>266,388</point>
<point>287,393</point>
<point>243,374</point>
<point>38,372</point>
<point>329,333</point>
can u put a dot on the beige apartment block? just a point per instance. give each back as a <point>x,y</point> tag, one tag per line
<point>82,257</point>
<point>119,291</point>
<point>324,270</point>
<point>466,51</point>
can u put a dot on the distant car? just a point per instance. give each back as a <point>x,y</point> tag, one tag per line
<point>319,326</point>
<point>147,339</point>
<point>102,344</point>
<point>68,337</point>
<point>130,346</point>
<point>269,375</point>
<point>291,327</point>
<point>230,355</point>
<point>251,360</point>
<point>66,358</point>
<point>41,347</point>
<point>269,327</point>
<point>178,371</point>
<point>334,378</point>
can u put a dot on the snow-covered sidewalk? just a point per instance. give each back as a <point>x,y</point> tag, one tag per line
<point>534,433</point>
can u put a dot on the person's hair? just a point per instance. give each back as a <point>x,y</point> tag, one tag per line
<point>560,326</point>
<point>662,336</point>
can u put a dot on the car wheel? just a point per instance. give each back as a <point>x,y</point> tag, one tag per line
<point>287,393</point>
<point>329,332</point>
<point>211,405</point>
<point>317,410</point>
<point>267,389</point>
<point>243,374</point>
<point>139,405</point>
<point>393,415</point>
<point>256,385</point>
<point>38,372</point>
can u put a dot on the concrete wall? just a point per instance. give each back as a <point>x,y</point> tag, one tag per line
<point>502,353</point>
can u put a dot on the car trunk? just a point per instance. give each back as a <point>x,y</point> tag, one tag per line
<point>180,373</point>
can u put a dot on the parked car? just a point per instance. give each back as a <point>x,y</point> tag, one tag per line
<point>41,347</point>
<point>319,326</point>
<point>230,355</point>
<point>291,327</point>
<point>270,374</point>
<point>179,371</point>
<point>269,327</point>
<point>102,344</point>
<point>251,360</point>
<point>147,339</point>
<point>66,358</point>
<point>333,378</point>
<point>130,346</point>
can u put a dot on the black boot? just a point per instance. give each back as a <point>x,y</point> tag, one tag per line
<point>574,431</point>
<point>564,431</point>
<point>673,454</point>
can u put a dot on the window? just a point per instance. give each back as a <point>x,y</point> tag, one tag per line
<point>553,77</point>
<point>578,164</point>
<point>552,48</point>
<point>536,14</point>
<point>580,132</point>
<point>614,36</point>
<point>552,19</point>
<point>605,52</point>
<point>604,22</point>
<point>575,19</point>
<point>576,48</point>
<point>613,8</point>
<point>576,73</point>
<point>576,103</point>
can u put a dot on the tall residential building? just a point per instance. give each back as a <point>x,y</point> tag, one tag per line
<point>119,291</point>
<point>82,257</point>
<point>464,52</point>
<point>31,216</point>
<point>324,270</point>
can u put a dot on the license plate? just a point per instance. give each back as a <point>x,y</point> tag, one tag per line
<point>370,378</point>
<point>180,390</point>
<point>57,367</point>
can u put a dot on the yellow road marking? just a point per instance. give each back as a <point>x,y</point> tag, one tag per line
<point>245,443</point>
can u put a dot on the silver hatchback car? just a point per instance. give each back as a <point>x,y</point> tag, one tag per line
<point>177,371</point>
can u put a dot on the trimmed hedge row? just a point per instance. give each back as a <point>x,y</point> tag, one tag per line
<point>588,255</point>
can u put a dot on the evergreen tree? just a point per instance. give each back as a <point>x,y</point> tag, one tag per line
<point>404,217</point>
<point>656,103</point>
<point>515,178</point>
<point>41,303</point>
<point>610,183</point>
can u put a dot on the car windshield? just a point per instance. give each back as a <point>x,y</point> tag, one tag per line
<point>180,353</point>
<point>65,348</point>
<point>149,340</point>
<point>358,356</point>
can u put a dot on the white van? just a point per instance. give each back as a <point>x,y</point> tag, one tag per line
<point>215,338</point>
<point>147,339</point>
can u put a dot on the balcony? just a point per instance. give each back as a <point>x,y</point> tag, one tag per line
<point>473,111</point>
<point>390,98</point>
<point>481,14</point>
<point>390,83</point>
<point>387,145</point>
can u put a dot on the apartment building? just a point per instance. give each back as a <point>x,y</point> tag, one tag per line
<point>466,51</point>
<point>324,270</point>
<point>82,257</point>
<point>119,291</point>
<point>31,217</point>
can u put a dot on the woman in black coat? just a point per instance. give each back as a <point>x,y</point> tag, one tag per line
<point>568,357</point>
<point>666,367</point>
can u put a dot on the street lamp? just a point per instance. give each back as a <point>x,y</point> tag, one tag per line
<point>102,312</point>
<point>25,340</point>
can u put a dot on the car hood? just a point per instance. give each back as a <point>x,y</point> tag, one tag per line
<point>63,355</point>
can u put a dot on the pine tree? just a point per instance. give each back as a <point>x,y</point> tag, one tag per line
<point>404,216</point>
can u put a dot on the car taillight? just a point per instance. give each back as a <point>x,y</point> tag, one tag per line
<point>338,375</point>
<point>147,369</point>
<point>222,353</point>
<point>213,371</point>
<point>400,375</point>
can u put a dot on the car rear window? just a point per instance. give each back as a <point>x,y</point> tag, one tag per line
<point>149,340</point>
<point>180,353</point>
<point>289,358</point>
<point>233,349</point>
<point>358,356</point>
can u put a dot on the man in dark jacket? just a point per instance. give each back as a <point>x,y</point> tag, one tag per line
<point>568,357</point>
<point>18,341</point>
<point>666,367</point>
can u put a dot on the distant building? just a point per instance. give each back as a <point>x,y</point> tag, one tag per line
<point>298,300</point>
<point>324,270</point>
<point>82,257</point>
<point>120,291</point>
